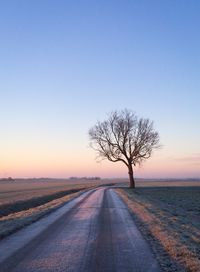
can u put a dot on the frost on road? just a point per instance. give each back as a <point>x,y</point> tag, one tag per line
<point>96,234</point>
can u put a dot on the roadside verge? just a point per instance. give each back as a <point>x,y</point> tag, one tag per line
<point>164,225</point>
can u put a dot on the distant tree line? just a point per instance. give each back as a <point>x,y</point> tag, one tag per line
<point>87,178</point>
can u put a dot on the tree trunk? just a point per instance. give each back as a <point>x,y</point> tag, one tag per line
<point>131,178</point>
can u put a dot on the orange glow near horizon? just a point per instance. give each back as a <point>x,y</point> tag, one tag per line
<point>62,166</point>
<point>62,160</point>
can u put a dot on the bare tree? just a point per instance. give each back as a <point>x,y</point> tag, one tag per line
<point>126,138</point>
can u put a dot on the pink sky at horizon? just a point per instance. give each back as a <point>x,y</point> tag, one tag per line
<point>43,155</point>
<point>158,166</point>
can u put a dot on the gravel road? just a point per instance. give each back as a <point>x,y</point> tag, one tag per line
<point>95,234</point>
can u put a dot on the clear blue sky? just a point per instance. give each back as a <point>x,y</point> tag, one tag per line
<point>66,64</point>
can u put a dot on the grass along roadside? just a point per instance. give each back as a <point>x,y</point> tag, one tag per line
<point>17,220</point>
<point>169,219</point>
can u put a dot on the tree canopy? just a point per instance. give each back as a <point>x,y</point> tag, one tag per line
<point>124,137</point>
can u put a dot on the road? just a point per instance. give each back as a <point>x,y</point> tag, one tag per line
<point>97,234</point>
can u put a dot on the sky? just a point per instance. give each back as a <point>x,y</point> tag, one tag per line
<point>64,64</point>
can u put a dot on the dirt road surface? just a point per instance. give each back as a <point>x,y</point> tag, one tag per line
<point>95,234</point>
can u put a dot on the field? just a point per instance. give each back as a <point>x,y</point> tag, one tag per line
<point>169,218</point>
<point>25,201</point>
<point>24,189</point>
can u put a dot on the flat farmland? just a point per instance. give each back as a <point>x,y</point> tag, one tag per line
<point>22,189</point>
<point>169,218</point>
<point>166,183</point>
<point>12,191</point>
<point>22,202</point>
